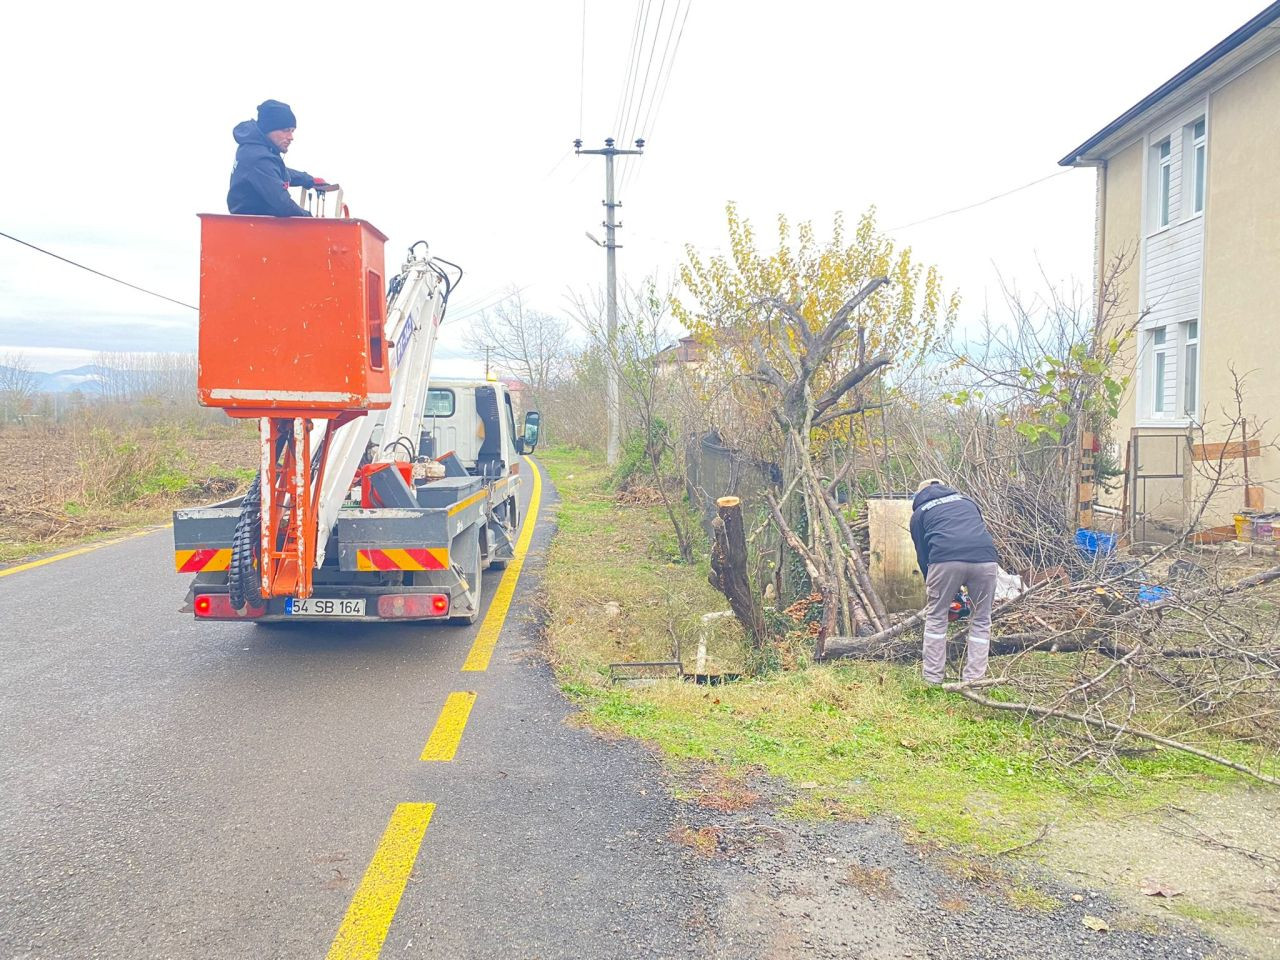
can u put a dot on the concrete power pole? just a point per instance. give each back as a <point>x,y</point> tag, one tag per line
<point>611,225</point>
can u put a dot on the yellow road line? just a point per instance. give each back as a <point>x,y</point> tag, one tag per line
<point>443,742</point>
<point>487,637</point>
<point>45,561</point>
<point>373,906</point>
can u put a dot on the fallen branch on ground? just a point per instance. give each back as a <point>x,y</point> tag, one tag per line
<point>1046,712</point>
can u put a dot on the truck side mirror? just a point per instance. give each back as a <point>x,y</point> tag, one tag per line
<point>532,425</point>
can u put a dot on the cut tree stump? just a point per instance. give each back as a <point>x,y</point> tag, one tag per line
<point>729,569</point>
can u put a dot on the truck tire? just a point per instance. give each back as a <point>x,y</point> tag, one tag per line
<point>475,582</point>
<point>243,584</point>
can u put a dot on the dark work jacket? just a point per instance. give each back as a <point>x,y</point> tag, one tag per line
<point>949,531</point>
<point>260,181</point>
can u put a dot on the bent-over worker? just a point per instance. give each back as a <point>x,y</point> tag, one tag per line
<point>260,181</point>
<point>954,550</point>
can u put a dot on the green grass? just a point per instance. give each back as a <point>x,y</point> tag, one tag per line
<point>1215,916</point>
<point>863,739</point>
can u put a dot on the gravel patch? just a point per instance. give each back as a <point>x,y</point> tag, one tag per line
<point>842,889</point>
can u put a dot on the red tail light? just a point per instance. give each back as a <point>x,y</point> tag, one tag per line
<point>403,605</point>
<point>217,606</point>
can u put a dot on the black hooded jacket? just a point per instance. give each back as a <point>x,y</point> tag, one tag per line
<point>953,530</point>
<point>260,181</point>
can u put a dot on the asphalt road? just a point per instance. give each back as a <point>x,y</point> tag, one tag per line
<point>182,789</point>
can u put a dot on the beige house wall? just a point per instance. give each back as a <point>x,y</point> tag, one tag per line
<point>1119,229</point>
<point>1240,325</point>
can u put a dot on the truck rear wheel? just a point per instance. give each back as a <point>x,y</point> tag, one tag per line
<point>244,587</point>
<point>473,573</point>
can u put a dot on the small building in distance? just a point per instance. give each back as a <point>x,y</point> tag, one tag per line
<point>686,352</point>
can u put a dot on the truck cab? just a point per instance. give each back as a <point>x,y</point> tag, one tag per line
<point>476,420</point>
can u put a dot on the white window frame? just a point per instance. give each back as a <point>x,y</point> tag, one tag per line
<point>1198,165</point>
<point>1164,183</point>
<point>1189,384</point>
<point>1163,352</point>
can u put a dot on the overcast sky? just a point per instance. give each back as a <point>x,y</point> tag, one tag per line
<point>453,122</point>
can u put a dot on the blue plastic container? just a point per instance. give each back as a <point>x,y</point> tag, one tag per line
<point>1094,543</point>
<point>1152,593</point>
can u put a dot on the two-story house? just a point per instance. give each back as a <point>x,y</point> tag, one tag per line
<point>1188,192</point>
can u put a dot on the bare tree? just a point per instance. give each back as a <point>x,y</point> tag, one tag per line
<point>528,344</point>
<point>17,385</point>
<point>156,379</point>
<point>651,389</point>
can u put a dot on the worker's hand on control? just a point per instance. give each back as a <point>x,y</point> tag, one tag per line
<point>321,187</point>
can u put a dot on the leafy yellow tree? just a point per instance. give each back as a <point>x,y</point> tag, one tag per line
<point>792,339</point>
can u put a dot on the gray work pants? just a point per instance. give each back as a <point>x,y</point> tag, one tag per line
<point>941,584</point>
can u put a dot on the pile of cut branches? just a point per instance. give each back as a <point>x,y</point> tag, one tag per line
<point>1169,651</point>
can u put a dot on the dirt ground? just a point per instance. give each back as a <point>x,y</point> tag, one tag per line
<point>1219,854</point>
<point>845,888</point>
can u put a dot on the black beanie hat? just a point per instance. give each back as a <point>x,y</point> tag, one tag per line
<point>274,115</point>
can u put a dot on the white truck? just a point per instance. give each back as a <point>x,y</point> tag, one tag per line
<point>404,506</point>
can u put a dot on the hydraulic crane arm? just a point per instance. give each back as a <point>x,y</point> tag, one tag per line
<point>413,321</point>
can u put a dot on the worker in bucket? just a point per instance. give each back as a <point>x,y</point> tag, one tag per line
<point>260,181</point>
<point>954,550</point>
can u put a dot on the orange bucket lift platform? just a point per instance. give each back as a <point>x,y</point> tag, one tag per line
<point>292,331</point>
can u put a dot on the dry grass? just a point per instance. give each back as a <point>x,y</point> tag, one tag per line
<point>616,589</point>
<point>68,482</point>
<point>724,793</point>
<point>705,841</point>
<point>992,880</point>
<point>873,880</point>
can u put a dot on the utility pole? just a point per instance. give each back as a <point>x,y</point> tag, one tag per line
<point>611,225</point>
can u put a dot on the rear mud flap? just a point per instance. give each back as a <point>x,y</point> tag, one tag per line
<point>502,539</point>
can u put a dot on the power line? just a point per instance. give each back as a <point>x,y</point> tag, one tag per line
<point>647,129</point>
<point>971,206</point>
<point>472,309</point>
<point>106,276</point>
<point>662,94</point>
<point>648,67</point>
<point>643,127</point>
<point>558,163</point>
<point>635,76</point>
<point>626,81</point>
<point>629,128</point>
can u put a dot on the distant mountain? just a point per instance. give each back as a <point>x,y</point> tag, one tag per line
<point>87,379</point>
<point>158,375</point>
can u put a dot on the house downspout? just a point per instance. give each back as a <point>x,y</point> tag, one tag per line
<point>1100,233</point>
